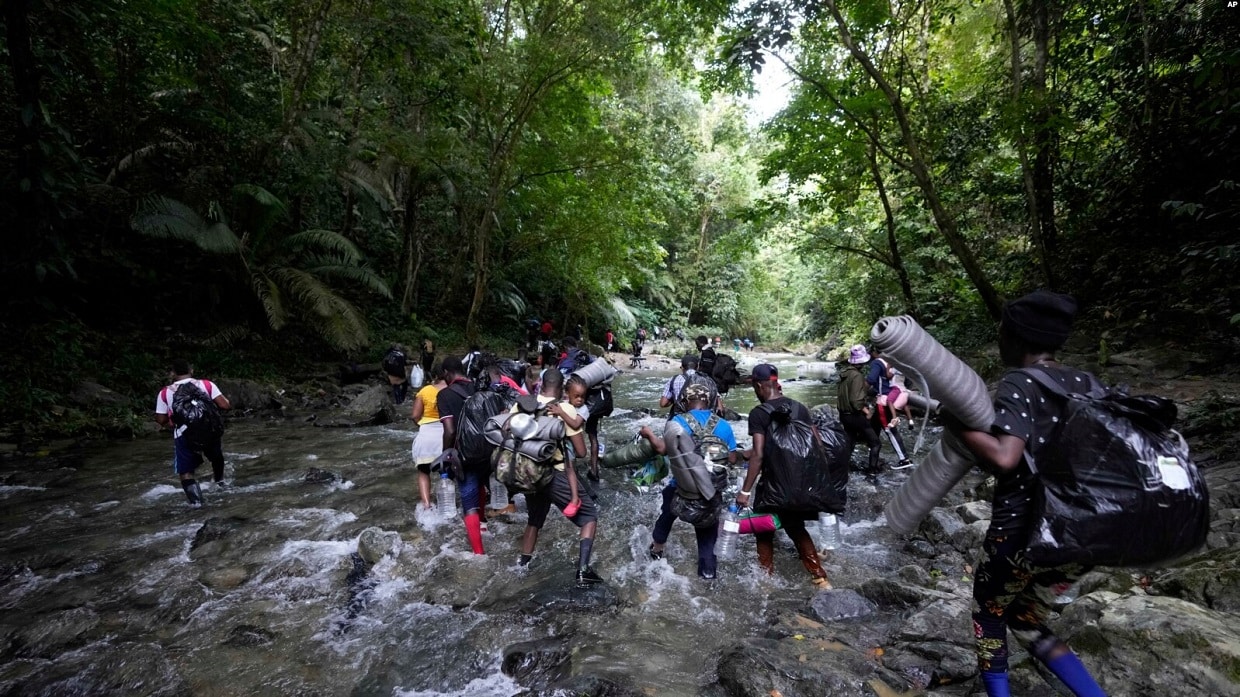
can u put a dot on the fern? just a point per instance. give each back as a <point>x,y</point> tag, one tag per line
<point>328,240</point>
<point>166,218</point>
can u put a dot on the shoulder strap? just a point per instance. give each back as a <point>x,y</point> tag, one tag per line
<point>700,431</point>
<point>1043,378</point>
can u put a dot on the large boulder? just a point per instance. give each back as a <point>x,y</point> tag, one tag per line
<point>1212,581</point>
<point>539,663</point>
<point>804,665</point>
<point>840,604</point>
<point>1137,644</point>
<point>91,394</point>
<point>372,407</point>
<point>374,544</point>
<point>248,395</point>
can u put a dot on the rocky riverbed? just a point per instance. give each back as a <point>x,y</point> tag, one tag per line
<point>312,575</point>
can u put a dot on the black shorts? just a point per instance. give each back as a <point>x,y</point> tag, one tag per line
<point>592,423</point>
<point>424,467</point>
<point>558,492</point>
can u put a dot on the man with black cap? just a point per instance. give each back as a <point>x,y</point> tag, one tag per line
<point>766,387</point>
<point>1009,592</point>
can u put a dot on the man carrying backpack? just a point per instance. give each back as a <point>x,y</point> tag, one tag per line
<point>855,410</point>
<point>191,408</point>
<point>701,422</point>
<point>562,489</point>
<point>706,357</point>
<point>675,384</point>
<point>396,367</point>
<point>1009,592</point>
<point>771,399</point>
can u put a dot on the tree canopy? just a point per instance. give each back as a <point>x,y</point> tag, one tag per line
<point>347,173</point>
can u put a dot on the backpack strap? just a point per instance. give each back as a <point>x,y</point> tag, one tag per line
<point>1040,375</point>
<point>699,430</point>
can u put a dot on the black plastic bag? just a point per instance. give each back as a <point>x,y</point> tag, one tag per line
<point>838,446</point>
<point>599,401</point>
<point>796,473</point>
<point>698,512</point>
<point>471,440</point>
<point>1120,488</point>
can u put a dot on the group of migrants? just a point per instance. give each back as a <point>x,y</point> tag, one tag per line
<point>522,426</point>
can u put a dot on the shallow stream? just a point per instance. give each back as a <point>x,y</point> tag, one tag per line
<point>109,583</point>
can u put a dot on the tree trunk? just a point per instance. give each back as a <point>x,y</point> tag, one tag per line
<point>920,170</point>
<point>29,113</point>
<point>1032,209</point>
<point>897,261</point>
<point>304,65</point>
<point>1044,135</point>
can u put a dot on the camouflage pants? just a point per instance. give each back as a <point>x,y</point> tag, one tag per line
<point>1011,593</point>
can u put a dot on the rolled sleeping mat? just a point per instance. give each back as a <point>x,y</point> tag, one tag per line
<point>549,429</point>
<point>693,477</point>
<point>538,450</point>
<point>920,402</point>
<point>959,390</point>
<point>941,469</point>
<point>631,454</point>
<point>947,378</point>
<point>598,372</point>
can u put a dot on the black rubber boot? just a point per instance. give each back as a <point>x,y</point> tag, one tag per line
<point>192,492</point>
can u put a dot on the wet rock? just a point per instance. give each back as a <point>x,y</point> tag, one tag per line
<point>373,407</point>
<point>375,543</point>
<point>54,634</point>
<point>248,395</point>
<point>215,529</point>
<point>539,663</point>
<point>225,579</point>
<point>889,593</point>
<point>1212,581</point>
<point>117,668</point>
<point>590,686</point>
<point>562,595</point>
<point>1152,645</point>
<point>915,575</point>
<point>940,525</point>
<point>809,666</point>
<point>920,548</point>
<point>968,539</point>
<point>943,617</point>
<point>92,394</point>
<point>974,511</point>
<point>249,636</point>
<point>933,663</point>
<point>840,604</point>
<point>314,475</point>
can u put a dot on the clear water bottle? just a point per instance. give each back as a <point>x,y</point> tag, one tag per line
<point>445,495</point>
<point>729,531</point>
<point>499,495</point>
<point>829,524</point>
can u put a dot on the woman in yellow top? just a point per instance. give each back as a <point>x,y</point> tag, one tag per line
<point>429,443</point>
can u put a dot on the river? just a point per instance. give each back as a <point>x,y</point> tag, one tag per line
<point>110,584</point>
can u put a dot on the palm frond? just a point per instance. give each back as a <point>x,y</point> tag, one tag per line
<point>263,197</point>
<point>167,218</point>
<point>272,300</point>
<point>328,240</point>
<point>619,312</point>
<point>361,275</point>
<point>328,314</point>
<point>507,294</point>
<point>371,183</point>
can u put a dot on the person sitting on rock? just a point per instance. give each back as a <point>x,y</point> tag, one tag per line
<point>1009,593</point>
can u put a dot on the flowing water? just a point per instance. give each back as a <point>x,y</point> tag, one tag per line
<point>109,583</point>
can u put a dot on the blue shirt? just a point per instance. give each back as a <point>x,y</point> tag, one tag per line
<point>723,430</point>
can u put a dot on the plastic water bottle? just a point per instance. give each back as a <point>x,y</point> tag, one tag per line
<point>831,535</point>
<point>445,495</point>
<point>499,495</point>
<point>729,530</point>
